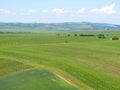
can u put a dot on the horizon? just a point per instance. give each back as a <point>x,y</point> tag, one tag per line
<point>60,11</point>
<point>58,22</point>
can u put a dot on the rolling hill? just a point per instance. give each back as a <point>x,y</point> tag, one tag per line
<point>57,26</point>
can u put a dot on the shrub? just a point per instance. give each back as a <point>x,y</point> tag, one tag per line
<point>68,34</point>
<point>66,41</point>
<point>87,35</point>
<point>115,38</point>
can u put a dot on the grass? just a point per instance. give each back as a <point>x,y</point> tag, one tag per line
<point>8,66</point>
<point>88,63</point>
<point>36,79</point>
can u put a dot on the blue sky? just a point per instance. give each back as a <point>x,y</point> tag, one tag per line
<point>46,11</point>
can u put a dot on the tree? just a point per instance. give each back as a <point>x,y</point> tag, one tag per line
<point>115,38</point>
<point>75,34</point>
<point>101,36</point>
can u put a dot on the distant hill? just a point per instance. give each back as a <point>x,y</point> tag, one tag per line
<point>57,26</point>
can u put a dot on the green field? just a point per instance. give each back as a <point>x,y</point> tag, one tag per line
<point>44,61</point>
<point>34,80</point>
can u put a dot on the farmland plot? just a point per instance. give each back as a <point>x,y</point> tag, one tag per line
<point>88,63</point>
<point>8,66</point>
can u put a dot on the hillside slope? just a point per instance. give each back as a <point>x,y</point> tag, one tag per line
<point>57,26</point>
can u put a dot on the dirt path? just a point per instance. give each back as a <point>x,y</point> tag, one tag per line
<point>67,81</point>
<point>41,66</point>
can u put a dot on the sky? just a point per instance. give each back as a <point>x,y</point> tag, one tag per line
<point>57,11</point>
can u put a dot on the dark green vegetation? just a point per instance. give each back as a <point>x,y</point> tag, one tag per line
<point>101,36</point>
<point>44,61</point>
<point>34,80</point>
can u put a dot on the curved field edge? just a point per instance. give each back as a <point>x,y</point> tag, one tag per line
<point>82,73</point>
<point>10,67</point>
<point>34,79</point>
<point>71,80</point>
<point>95,63</point>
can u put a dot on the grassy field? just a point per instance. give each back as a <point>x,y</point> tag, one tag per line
<point>32,61</point>
<point>36,79</point>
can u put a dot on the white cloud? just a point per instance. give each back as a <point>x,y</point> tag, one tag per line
<point>60,10</point>
<point>4,11</point>
<point>31,11</point>
<point>28,12</point>
<point>45,11</point>
<point>82,10</point>
<point>105,10</point>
